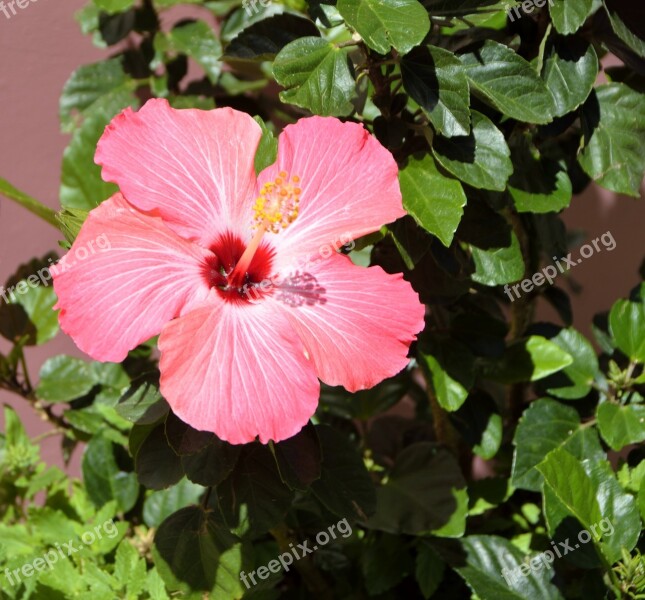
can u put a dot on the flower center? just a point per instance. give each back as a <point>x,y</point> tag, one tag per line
<point>227,251</point>
<point>275,209</point>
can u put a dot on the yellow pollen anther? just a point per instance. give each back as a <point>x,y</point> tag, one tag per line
<point>277,205</point>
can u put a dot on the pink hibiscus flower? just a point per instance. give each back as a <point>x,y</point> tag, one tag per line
<point>235,272</point>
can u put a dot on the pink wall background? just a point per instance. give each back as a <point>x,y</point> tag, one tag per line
<point>42,45</point>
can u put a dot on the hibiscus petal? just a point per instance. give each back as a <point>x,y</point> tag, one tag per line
<point>195,167</point>
<point>238,370</point>
<point>357,323</point>
<point>348,180</point>
<point>125,276</point>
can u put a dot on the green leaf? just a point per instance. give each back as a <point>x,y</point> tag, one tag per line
<point>528,360</point>
<point>344,487</point>
<point>570,70</point>
<point>156,464</point>
<point>437,82</point>
<point>81,184</point>
<point>502,78</point>
<point>264,39</point>
<point>385,561</point>
<point>620,523</point>
<point>480,424</point>
<point>142,402</point>
<point>621,425</point>
<point>267,150</point>
<point>620,27</point>
<point>544,426</point>
<point>86,86</point>
<point>627,322</point>
<point>429,570</point>
<point>451,368</point>
<point>491,565</point>
<point>425,493</point>
<point>575,380</point>
<point>386,24</point>
<point>538,184</point>
<point>613,154</point>
<point>254,491</point>
<point>104,480</point>
<point>569,16</point>
<point>194,546</point>
<point>198,41</point>
<point>130,568</point>
<point>567,479</point>
<point>63,378</point>
<point>481,159</point>
<point>317,76</point>
<point>298,458</point>
<point>434,200</point>
<point>212,464</point>
<point>496,266</point>
<point>160,505</point>
<point>29,315</point>
<point>114,6</point>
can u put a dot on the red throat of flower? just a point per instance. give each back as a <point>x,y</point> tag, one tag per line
<point>275,209</point>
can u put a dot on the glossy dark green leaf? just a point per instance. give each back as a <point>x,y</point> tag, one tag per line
<point>254,491</point>
<point>434,200</point>
<point>198,41</point>
<point>267,150</point>
<point>627,322</point>
<point>156,464</point>
<point>299,458</point>
<point>160,505</point>
<point>481,159</point>
<point>317,76</point>
<point>63,378</point>
<point>491,565</point>
<point>429,570</point>
<point>142,402</point>
<point>385,561</point>
<point>212,464</point>
<point>480,424</point>
<point>538,184</point>
<point>621,425</point>
<point>529,359</point>
<point>437,82</point>
<point>502,78</point>
<point>81,184</point>
<point>567,16</point>
<point>345,486</point>
<point>104,480</point>
<point>450,365</point>
<point>264,39</point>
<point>544,426</point>
<point>575,380</point>
<point>198,550</point>
<point>626,21</point>
<point>87,85</point>
<point>496,266</point>
<point>386,24</point>
<point>614,145</point>
<point>425,492</point>
<point>570,70</point>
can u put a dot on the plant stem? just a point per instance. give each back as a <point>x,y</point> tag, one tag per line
<point>31,204</point>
